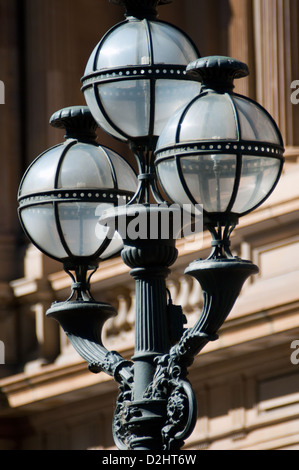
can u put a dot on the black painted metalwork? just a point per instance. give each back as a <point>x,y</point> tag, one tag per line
<point>141,8</point>
<point>156,408</point>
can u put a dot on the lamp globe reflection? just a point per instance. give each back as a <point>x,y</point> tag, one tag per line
<point>136,77</point>
<point>65,190</point>
<point>222,150</point>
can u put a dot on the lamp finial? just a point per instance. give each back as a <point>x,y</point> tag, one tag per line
<point>218,72</point>
<point>141,9</point>
<point>77,121</point>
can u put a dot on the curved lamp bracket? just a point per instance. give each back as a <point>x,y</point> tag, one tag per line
<point>221,280</point>
<point>82,320</point>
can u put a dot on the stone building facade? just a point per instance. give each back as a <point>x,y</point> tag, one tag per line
<point>247,382</point>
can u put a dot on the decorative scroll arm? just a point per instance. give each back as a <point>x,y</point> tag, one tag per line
<point>82,322</point>
<point>82,319</point>
<point>170,384</point>
<point>221,280</point>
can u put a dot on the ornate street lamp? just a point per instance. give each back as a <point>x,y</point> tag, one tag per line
<point>211,149</point>
<point>136,79</point>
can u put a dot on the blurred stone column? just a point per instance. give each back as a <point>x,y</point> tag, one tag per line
<point>241,42</point>
<point>10,139</point>
<point>277,62</point>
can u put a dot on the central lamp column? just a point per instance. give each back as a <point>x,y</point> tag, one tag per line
<point>150,260</point>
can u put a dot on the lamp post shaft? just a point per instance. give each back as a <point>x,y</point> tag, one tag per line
<point>151,327</point>
<point>152,340</point>
<point>149,261</point>
<point>140,418</point>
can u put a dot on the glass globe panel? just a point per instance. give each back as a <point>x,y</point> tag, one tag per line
<point>126,178</point>
<point>85,166</point>
<point>171,183</point>
<point>168,136</point>
<point>126,45</point>
<point>211,117</point>
<point>90,63</point>
<point>41,175</point>
<point>101,233</point>
<point>95,110</point>
<point>170,96</point>
<point>40,224</point>
<point>210,179</point>
<point>114,247</point>
<point>258,176</point>
<point>78,224</point>
<point>255,124</point>
<point>127,103</point>
<point>170,46</point>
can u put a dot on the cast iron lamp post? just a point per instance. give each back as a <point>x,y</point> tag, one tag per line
<point>215,153</point>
